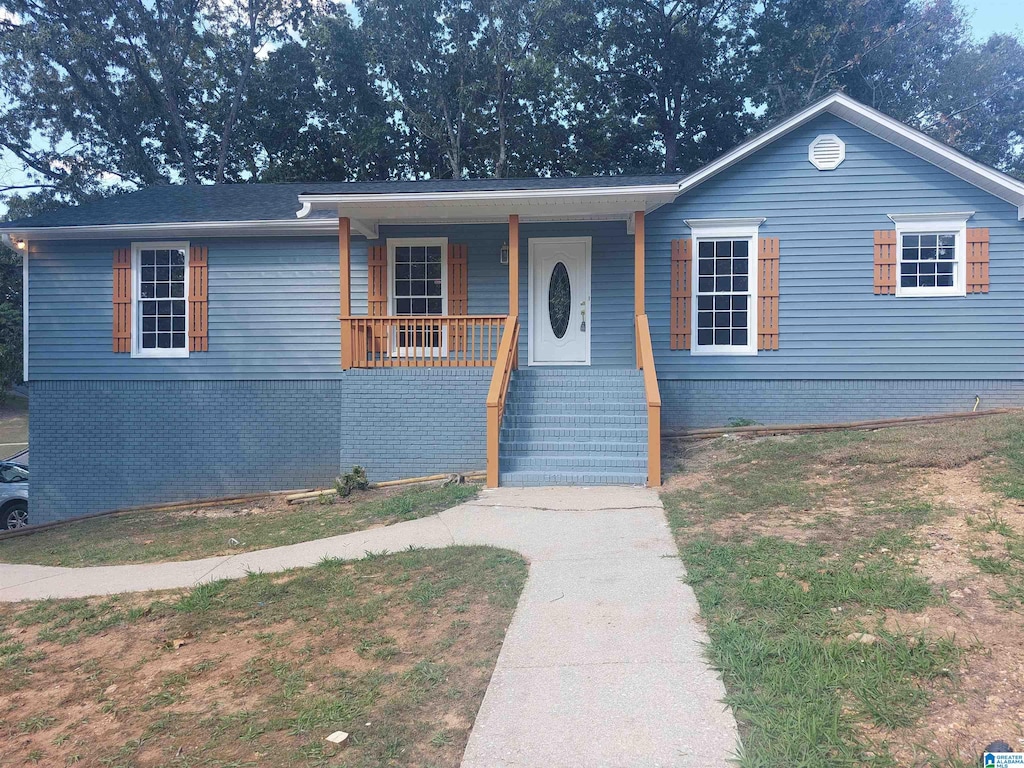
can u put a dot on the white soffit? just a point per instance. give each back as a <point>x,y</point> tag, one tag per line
<point>874,122</point>
<point>367,212</point>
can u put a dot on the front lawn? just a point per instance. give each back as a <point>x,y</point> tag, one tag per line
<point>395,650</point>
<point>189,533</point>
<point>862,590</point>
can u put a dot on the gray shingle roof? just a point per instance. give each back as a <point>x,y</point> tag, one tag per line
<point>170,204</point>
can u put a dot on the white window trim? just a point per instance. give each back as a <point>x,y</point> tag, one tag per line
<point>398,242</point>
<point>726,229</point>
<point>137,248</point>
<point>931,223</point>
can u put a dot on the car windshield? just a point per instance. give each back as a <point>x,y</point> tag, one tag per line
<point>12,473</point>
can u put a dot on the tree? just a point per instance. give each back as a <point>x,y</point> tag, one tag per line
<point>125,93</point>
<point>677,69</point>
<point>313,113</point>
<point>917,63</point>
<point>425,58</point>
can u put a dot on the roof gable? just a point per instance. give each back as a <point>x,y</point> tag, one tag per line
<point>884,127</point>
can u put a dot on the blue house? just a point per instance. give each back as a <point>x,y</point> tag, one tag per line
<point>187,342</point>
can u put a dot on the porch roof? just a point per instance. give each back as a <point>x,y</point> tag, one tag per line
<point>197,210</point>
<point>472,205</point>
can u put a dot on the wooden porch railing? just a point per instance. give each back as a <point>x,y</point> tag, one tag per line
<point>409,341</point>
<point>506,361</point>
<point>645,360</point>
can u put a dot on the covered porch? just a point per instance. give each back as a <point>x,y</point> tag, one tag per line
<point>497,279</point>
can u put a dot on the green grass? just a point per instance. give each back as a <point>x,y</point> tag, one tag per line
<point>177,535</point>
<point>784,615</point>
<point>798,685</point>
<point>275,653</point>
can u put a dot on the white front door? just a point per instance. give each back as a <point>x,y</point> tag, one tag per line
<point>559,301</point>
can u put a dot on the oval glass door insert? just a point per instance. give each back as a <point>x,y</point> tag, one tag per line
<point>559,300</point>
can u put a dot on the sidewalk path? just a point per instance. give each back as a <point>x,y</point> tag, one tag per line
<point>602,665</point>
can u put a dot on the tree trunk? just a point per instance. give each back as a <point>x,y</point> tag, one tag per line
<point>231,119</point>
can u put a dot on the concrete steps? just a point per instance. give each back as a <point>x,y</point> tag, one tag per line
<point>574,426</point>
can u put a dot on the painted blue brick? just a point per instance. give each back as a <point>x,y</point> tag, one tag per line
<point>101,445</point>
<point>692,404</point>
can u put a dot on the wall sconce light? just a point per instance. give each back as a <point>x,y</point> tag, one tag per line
<point>503,254</point>
<point>19,244</point>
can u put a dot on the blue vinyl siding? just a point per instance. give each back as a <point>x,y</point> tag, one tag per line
<point>273,304</point>
<point>611,277</point>
<point>272,313</point>
<point>832,326</point>
<point>611,288</point>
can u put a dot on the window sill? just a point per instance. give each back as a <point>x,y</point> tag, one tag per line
<point>723,351</point>
<point>161,354</point>
<point>929,293</point>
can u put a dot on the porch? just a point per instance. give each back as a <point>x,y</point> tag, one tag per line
<point>449,287</point>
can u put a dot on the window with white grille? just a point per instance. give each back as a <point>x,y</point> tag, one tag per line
<point>160,314</point>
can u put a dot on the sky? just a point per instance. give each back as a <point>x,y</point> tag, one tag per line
<point>995,16</point>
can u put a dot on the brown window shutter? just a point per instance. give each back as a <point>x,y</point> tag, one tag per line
<point>458,279</point>
<point>377,281</point>
<point>377,296</point>
<point>977,260</point>
<point>198,315</point>
<point>681,294</point>
<point>885,262</point>
<point>768,293</point>
<point>123,300</point>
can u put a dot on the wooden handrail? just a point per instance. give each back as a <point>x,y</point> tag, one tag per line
<point>645,358</point>
<point>505,362</point>
<point>418,341</point>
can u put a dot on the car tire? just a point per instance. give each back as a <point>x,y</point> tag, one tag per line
<point>15,515</point>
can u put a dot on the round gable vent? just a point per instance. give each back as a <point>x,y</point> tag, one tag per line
<point>826,152</point>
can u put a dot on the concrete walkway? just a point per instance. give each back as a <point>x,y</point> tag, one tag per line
<point>602,664</point>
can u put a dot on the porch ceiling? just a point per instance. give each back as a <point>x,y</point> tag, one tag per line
<point>368,211</point>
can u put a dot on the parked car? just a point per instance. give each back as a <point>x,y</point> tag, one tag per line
<point>13,495</point>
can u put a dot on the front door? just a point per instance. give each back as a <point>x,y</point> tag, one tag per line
<point>559,301</point>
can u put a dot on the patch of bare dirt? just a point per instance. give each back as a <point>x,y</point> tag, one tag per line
<point>166,688</point>
<point>987,702</point>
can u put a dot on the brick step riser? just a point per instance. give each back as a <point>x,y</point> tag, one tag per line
<point>571,434</point>
<point>512,449</point>
<point>609,397</point>
<point>575,408</point>
<point>573,463</point>
<point>569,421</point>
<point>526,479</point>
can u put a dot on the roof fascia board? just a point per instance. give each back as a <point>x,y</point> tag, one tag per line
<point>318,201</point>
<point>308,227</point>
<point>751,146</point>
<point>928,149</point>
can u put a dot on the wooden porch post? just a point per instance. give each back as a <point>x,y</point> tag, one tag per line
<point>513,264</point>
<point>345,287</point>
<point>638,270</point>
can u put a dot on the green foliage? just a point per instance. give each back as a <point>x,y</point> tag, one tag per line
<point>113,96</point>
<point>741,422</point>
<point>10,319</point>
<point>355,480</point>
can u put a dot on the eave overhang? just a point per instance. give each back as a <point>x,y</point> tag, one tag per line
<point>367,212</point>
<point>286,227</point>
